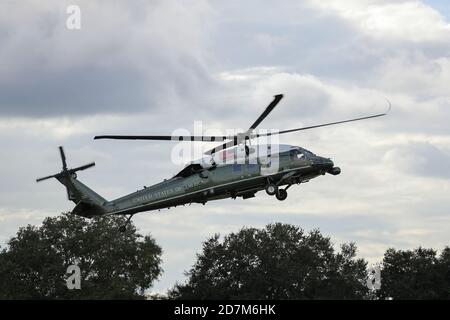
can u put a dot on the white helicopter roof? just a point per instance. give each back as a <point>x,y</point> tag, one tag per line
<point>231,154</point>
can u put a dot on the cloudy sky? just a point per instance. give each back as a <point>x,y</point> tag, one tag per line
<point>150,67</point>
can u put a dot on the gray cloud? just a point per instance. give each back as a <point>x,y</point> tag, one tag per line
<point>124,59</point>
<point>421,159</point>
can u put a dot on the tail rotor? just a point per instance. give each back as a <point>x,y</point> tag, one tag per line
<point>63,158</point>
<point>66,173</point>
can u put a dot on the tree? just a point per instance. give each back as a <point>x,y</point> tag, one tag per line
<point>113,264</point>
<point>444,271</point>
<point>415,274</point>
<point>278,262</point>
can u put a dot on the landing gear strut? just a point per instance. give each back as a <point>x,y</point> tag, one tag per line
<point>123,228</point>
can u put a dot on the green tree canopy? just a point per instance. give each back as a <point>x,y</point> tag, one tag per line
<point>113,264</point>
<point>415,274</point>
<point>277,262</point>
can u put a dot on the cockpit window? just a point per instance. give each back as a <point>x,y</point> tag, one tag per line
<point>306,152</point>
<point>297,154</point>
<point>300,153</point>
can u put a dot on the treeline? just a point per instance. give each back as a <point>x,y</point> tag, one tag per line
<point>280,261</point>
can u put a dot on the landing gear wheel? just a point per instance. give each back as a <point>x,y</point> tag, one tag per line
<point>123,229</point>
<point>281,194</point>
<point>271,189</point>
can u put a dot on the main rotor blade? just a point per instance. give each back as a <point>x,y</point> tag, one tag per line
<point>266,112</point>
<point>251,136</point>
<point>317,126</point>
<point>63,158</point>
<point>166,138</point>
<point>227,145</point>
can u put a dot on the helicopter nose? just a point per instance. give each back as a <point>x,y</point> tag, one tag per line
<point>323,163</point>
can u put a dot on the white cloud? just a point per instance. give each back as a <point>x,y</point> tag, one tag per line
<point>385,20</point>
<point>424,76</point>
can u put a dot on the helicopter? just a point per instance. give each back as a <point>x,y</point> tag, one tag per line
<point>233,169</point>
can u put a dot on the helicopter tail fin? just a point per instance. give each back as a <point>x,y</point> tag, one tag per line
<point>88,202</point>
